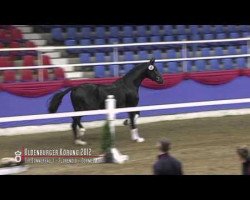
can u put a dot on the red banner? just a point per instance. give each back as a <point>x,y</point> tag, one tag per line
<point>37,89</point>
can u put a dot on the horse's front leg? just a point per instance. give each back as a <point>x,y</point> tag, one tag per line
<point>133,116</point>
<point>128,121</point>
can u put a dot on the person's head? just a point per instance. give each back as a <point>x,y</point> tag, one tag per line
<point>243,153</point>
<point>164,145</point>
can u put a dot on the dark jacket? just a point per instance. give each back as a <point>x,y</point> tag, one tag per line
<point>167,165</point>
<point>246,167</point>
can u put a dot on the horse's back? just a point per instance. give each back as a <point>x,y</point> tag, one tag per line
<point>85,97</point>
<point>93,96</point>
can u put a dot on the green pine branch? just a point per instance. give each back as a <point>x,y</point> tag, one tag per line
<point>107,139</point>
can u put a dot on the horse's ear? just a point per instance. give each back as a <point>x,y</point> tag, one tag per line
<point>152,61</point>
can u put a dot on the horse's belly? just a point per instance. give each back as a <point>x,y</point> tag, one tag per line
<point>94,105</point>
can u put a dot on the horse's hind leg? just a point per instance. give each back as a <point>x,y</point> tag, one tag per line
<point>74,128</point>
<point>82,129</point>
<point>134,130</point>
<point>77,138</point>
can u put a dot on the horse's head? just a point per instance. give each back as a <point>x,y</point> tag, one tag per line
<point>153,73</point>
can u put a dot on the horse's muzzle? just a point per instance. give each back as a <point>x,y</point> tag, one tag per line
<point>160,80</point>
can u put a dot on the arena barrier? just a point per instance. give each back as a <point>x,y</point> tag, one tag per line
<point>111,111</point>
<point>114,48</point>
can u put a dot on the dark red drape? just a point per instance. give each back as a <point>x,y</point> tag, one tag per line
<point>34,89</point>
<point>245,72</point>
<point>37,89</point>
<point>214,77</point>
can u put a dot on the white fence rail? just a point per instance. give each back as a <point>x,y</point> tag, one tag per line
<point>115,50</point>
<point>127,45</point>
<point>126,62</point>
<point>122,110</point>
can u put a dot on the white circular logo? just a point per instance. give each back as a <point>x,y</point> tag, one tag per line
<point>18,157</point>
<point>151,67</point>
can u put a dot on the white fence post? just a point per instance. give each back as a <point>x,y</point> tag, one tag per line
<point>110,105</point>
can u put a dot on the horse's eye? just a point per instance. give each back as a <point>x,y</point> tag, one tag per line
<point>151,67</point>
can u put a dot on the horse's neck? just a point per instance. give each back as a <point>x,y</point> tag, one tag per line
<point>134,79</point>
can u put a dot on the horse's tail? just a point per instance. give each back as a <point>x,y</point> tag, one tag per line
<point>57,100</point>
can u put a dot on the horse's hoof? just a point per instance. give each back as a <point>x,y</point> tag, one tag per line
<point>80,142</point>
<point>81,132</point>
<point>125,123</point>
<point>140,140</point>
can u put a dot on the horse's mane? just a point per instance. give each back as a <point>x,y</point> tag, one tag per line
<point>131,72</point>
<point>134,69</point>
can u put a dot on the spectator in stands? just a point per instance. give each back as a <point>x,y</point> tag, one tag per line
<point>166,164</point>
<point>244,156</point>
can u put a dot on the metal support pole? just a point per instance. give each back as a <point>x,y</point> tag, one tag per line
<point>40,62</point>
<point>184,55</point>
<point>248,50</point>
<point>115,59</point>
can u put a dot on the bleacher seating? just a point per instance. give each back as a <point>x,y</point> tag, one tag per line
<point>27,75</point>
<point>143,55</point>
<point>86,42</point>
<point>205,52</point>
<point>9,76</point>
<point>127,31</point>
<point>172,67</point>
<point>167,30</point>
<point>200,65</point>
<point>30,44</point>
<point>71,35</point>
<point>28,61</point>
<point>59,73</point>
<point>241,62</point>
<point>228,63</point>
<point>57,34</point>
<point>71,42</point>
<point>193,29</point>
<point>219,28</point>
<point>46,60</point>
<point>6,61</point>
<point>231,50</point>
<point>141,31</point>
<point>243,49</point>
<point>154,30</point>
<point>218,51</point>
<point>45,74</point>
<point>100,69</point>
<point>171,53</point>
<point>114,70</point>
<point>214,64</point>
<point>12,37</point>
<point>189,65</point>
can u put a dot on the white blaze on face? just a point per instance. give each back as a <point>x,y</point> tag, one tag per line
<point>151,67</point>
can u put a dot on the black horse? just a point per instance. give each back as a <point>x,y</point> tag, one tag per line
<point>93,96</point>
